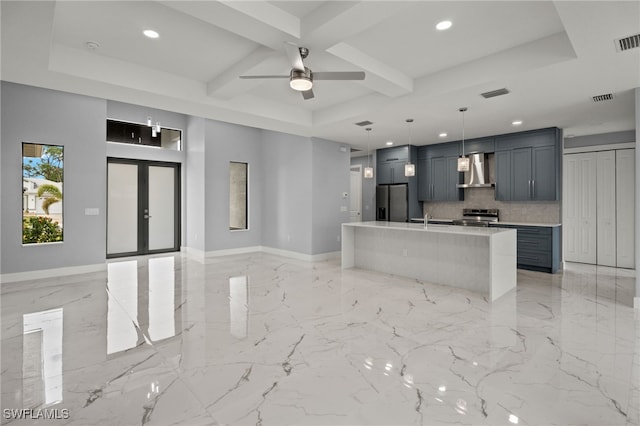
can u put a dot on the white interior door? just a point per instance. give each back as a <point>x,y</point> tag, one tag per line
<point>579,209</point>
<point>161,209</point>
<point>625,207</point>
<point>122,208</point>
<point>606,208</point>
<point>355,200</point>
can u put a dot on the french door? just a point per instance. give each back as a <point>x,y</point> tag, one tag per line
<point>143,207</point>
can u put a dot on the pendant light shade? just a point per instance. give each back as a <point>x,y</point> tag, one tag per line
<point>409,168</point>
<point>463,162</point>
<point>368,171</point>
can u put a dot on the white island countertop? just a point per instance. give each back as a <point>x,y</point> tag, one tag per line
<point>419,227</point>
<point>472,258</point>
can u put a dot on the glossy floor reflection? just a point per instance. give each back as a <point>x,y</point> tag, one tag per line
<point>266,340</point>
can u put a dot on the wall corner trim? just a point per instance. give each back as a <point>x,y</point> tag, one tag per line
<point>636,303</point>
<point>50,273</point>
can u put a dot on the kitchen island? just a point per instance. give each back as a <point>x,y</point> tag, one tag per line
<point>482,260</point>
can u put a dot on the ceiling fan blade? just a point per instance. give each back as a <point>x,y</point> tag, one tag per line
<point>339,75</point>
<point>307,94</point>
<point>293,52</point>
<point>263,76</point>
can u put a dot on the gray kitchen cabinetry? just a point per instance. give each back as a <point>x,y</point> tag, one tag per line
<point>528,166</point>
<point>538,247</point>
<point>391,162</point>
<point>438,174</point>
<point>486,145</point>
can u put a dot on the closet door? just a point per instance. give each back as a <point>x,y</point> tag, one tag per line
<point>625,211</point>
<point>579,212</point>
<point>606,209</point>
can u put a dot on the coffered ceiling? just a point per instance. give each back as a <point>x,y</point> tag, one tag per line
<point>552,56</point>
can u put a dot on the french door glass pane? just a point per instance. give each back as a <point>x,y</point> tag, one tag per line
<point>161,207</point>
<point>122,211</point>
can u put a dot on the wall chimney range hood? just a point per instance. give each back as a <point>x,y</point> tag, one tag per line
<point>478,174</point>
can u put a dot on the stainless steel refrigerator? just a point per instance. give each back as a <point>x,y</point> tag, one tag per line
<point>392,203</point>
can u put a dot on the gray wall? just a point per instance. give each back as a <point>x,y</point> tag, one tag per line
<point>31,114</point>
<point>193,232</point>
<point>284,171</point>
<point>329,180</point>
<point>286,189</point>
<point>225,142</point>
<point>368,189</point>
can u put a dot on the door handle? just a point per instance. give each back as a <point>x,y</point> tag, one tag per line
<point>146,216</point>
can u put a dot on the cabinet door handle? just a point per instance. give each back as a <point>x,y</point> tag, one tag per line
<point>529,188</point>
<point>533,189</point>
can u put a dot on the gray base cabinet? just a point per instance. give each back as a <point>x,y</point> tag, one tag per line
<point>538,247</point>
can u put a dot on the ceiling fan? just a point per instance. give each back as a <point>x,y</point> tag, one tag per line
<point>301,78</point>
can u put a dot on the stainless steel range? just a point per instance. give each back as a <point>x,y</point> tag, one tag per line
<point>477,217</point>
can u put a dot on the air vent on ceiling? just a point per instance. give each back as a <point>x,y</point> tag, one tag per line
<point>603,98</point>
<point>364,123</point>
<point>355,150</point>
<point>627,43</point>
<point>494,93</point>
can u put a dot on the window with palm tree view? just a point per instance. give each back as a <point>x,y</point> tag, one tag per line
<point>42,178</point>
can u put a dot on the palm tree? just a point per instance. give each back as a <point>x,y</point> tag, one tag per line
<point>53,195</point>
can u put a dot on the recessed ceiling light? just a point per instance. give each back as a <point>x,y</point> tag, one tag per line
<point>443,25</point>
<point>151,33</point>
<point>516,122</point>
<point>443,135</point>
<point>389,143</point>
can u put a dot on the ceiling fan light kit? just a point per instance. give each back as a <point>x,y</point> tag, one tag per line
<point>301,78</point>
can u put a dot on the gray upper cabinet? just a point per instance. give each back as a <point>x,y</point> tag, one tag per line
<point>486,145</point>
<point>528,166</point>
<point>391,162</point>
<point>392,172</point>
<point>438,174</point>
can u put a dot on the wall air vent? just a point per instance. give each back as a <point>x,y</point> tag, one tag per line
<point>364,123</point>
<point>627,43</point>
<point>494,93</point>
<point>603,98</point>
<point>355,150</point>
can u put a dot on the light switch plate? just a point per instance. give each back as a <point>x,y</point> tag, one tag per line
<point>343,208</point>
<point>92,211</point>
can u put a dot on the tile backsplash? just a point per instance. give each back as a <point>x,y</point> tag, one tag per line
<point>510,211</point>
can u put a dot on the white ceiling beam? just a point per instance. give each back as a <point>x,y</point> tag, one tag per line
<point>336,21</point>
<point>379,76</point>
<point>270,27</point>
<point>268,14</point>
<point>220,86</point>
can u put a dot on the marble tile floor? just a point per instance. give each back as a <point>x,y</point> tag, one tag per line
<point>265,340</point>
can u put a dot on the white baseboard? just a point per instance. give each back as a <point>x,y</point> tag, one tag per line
<point>54,272</point>
<point>193,253</point>
<point>230,252</point>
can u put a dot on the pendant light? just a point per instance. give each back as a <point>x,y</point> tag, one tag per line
<point>368,171</point>
<point>409,168</point>
<point>463,162</point>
